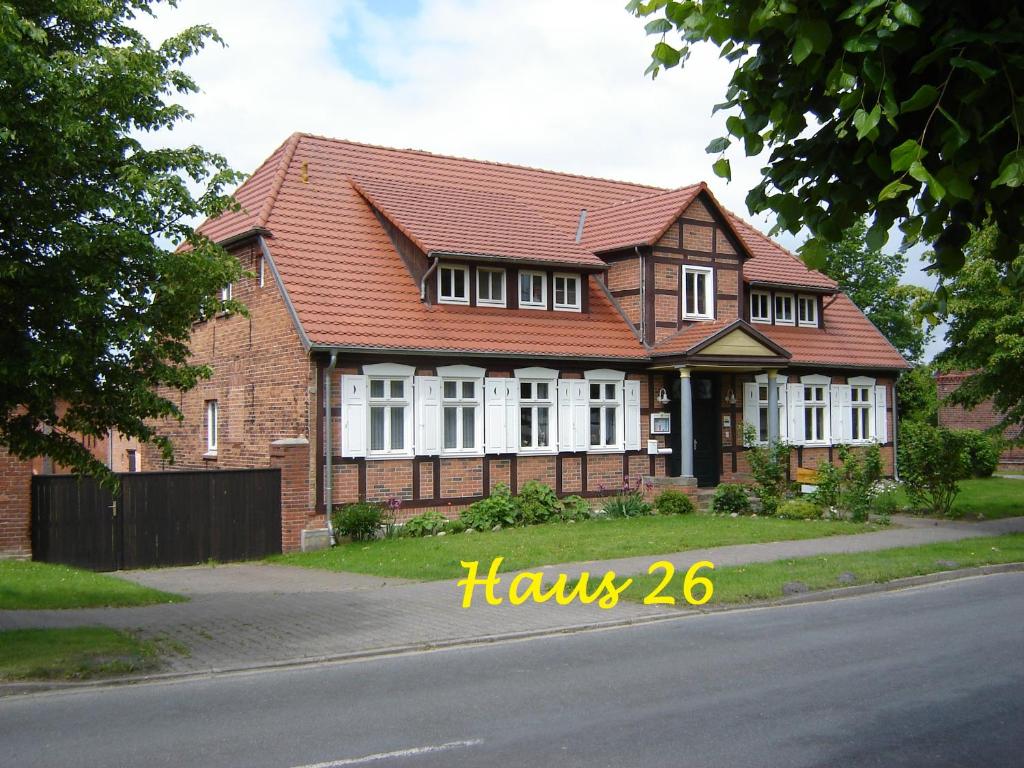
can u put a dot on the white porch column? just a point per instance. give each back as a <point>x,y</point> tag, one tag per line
<point>773,407</point>
<point>686,422</point>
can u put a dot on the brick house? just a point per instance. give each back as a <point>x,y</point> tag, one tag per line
<point>984,416</point>
<point>426,327</point>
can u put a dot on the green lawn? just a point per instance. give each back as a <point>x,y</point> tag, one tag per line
<point>438,557</point>
<point>68,654</point>
<point>28,585</point>
<point>763,581</point>
<point>989,497</point>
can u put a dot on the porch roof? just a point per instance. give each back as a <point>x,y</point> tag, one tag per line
<point>721,341</point>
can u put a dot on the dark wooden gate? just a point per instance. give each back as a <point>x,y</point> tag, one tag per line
<point>157,518</point>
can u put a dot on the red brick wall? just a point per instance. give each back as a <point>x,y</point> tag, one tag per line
<point>983,416</point>
<point>15,505</point>
<point>292,458</point>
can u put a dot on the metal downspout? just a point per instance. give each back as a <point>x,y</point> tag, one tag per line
<point>426,276</point>
<point>329,447</point>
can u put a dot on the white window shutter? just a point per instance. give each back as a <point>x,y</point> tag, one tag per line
<point>428,415</point>
<point>511,416</point>
<point>581,415</point>
<point>881,417</point>
<point>840,410</point>
<point>750,407</point>
<point>494,415</point>
<point>565,413</point>
<point>354,415</point>
<point>631,394</point>
<point>783,394</point>
<point>795,404</point>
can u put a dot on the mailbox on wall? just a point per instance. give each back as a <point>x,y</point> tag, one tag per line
<point>661,423</point>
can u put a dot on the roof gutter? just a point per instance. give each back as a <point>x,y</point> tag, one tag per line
<point>426,276</point>
<point>329,447</point>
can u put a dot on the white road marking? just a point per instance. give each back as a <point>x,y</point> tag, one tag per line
<point>413,752</point>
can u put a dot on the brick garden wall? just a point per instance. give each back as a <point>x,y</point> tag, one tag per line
<point>983,416</point>
<point>15,505</point>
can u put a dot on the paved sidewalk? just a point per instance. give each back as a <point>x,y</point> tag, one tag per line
<point>250,615</point>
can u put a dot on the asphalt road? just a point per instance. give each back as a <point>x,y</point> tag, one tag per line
<point>931,677</point>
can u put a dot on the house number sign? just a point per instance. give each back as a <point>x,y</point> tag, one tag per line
<point>605,590</point>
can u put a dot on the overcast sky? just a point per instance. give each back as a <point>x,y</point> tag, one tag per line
<point>556,85</point>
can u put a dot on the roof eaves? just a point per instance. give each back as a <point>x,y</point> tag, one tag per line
<point>698,188</point>
<point>378,349</point>
<point>596,266</point>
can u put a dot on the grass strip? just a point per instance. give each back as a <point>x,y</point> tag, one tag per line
<point>987,498</point>
<point>434,557</point>
<point>73,654</point>
<point>27,585</point>
<point>764,581</point>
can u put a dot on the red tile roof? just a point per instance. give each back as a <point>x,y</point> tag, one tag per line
<point>640,221</point>
<point>848,339</point>
<point>452,220</point>
<point>350,289</point>
<point>683,341</point>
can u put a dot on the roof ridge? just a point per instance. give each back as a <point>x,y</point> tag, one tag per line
<point>282,171</point>
<point>645,198</point>
<point>520,166</point>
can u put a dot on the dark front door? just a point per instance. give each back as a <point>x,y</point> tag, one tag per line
<point>705,429</point>
<point>704,393</point>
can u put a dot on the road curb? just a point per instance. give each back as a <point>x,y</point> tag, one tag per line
<point>675,614</point>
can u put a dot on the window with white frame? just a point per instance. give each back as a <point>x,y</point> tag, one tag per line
<point>567,292</point>
<point>211,426</point>
<point>490,287</point>
<point>226,293</point>
<point>862,413</point>
<point>605,408</point>
<point>460,414</point>
<point>698,292</point>
<point>536,415</point>
<point>390,402</point>
<point>760,307</point>
<point>784,309</point>
<point>263,279</point>
<point>815,406</point>
<point>453,284</point>
<point>807,310</point>
<point>533,290</point>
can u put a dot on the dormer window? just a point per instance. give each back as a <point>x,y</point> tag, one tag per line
<point>807,311</point>
<point>698,293</point>
<point>784,309</point>
<point>490,287</point>
<point>760,307</point>
<point>453,284</point>
<point>533,290</point>
<point>567,292</point>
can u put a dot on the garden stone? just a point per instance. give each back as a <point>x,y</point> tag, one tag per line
<point>734,514</point>
<point>571,522</point>
<point>793,588</point>
<point>441,533</point>
<point>847,578</point>
<point>471,530</point>
<point>947,563</point>
<point>496,528</point>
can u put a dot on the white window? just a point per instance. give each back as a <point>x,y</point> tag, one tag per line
<point>567,292</point>
<point>226,292</point>
<point>490,287</point>
<point>262,270</point>
<point>698,292</point>
<point>460,415</point>
<point>211,426</point>
<point>605,407</point>
<point>536,415</point>
<point>784,309</point>
<point>760,307</point>
<point>533,290</point>
<point>862,414</point>
<point>453,284</point>
<point>816,415</point>
<point>807,310</point>
<point>390,399</point>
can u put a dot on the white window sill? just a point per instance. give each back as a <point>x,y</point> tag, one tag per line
<point>483,303</point>
<point>532,306</point>
<point>389,456</point>
<point>784,322</point>
<point>606,449</point>
<point>537,452</point>
<point>209,455</point>
<point>760,321</point>
<point>698,317</point>
<point>475,454</point>
<point>808,325</point>
<point>461,302</point>
<point>566,309</point>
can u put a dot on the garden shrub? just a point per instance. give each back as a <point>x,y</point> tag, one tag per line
<point>426,524</point>
<point>731,498</point>
<point>770,467</point>
<point>849,489</point>
<point>672,502</point>
<point>359,521</point>
<point>982,451</point>
<point>497,509</point>
<point>885,504</point>
<point>932,460</point>
<point>536,503</point>
<point>800,509</point>
<point>574,508</point>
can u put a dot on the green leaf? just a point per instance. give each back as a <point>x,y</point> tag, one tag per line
<point>983,72</point>
<point>718,145</point>
<point>866,122</point>
<point>814,253</point>
<point>1011,170</point>
<point>923,97</point>
<point>919,172</point>
<point>722,169</point>
<point>905,154</point>
<point>734,124</point>
<point>658,27</point>
<point>876,237</point>
<point>907,14</point>
<point>955,182</point>
<point>892,190</point>
<point>802,48</point>
<point>666,54</point>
